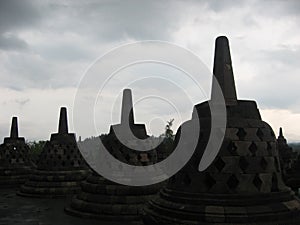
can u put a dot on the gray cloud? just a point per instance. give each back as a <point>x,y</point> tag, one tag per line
<point>275,77</point>
<point>10,42</point>
<point>115,20</point>
<point>219,6</point>
<point>22,102</point>
<point>46,45</point>
<point>18,14</point>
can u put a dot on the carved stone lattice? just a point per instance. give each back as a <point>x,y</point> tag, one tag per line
<point>106,200</point>
<point>60,168</point>
<point>15,162</point>
<point>244,184</point>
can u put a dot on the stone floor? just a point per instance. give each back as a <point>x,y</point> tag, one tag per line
<point>16,210</point>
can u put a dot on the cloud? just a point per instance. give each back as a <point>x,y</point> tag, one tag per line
<point>46,46</point>
<point>10,42</point>
<point>115,20</point>
<point>285,119</point>
<point>22,102</point>
<point>18,14</point>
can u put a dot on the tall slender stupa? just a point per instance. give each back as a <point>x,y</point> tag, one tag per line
<point>109,201</point>
<point>243,185</point>
<point>60,168</point>
<point>15,163</point>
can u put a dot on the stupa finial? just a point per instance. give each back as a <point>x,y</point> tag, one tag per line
<point>280,132</point>
<point>127,108</point>
<point>14,133</point>
<point>63,121</point>
<point>223,70</point>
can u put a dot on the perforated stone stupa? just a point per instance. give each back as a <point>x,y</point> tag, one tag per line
<point>15,163</point>
<point>286,154</point>
<point>243,185</point>
<point>109,201</point>
<point>291,164</point>
<point>60,168</point>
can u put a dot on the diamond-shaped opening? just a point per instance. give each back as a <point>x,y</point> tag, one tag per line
<point>243,163</point>
<point>253,148</point>
<point>260,134</point>
<point>232,182</point>
<point>232,148</point>
<point>241,134</point>
<point>264,163</point>
<point>219,164</point>
<point>209,180</point>
<point>257,182</point>
<point>187,180</point>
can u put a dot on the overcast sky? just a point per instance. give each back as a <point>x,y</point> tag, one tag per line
<point>47,46</point>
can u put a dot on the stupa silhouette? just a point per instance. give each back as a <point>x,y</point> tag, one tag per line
<point>286,154</point>
<point>243,185</point>
<point>291,164</point>
<point>60,168</point>
<point>109,201</point>
<point>15,163</point>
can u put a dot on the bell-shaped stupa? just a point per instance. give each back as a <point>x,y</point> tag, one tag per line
<point>60,168</point>
<point>107,200</point>
<point>243,185</point>
<point>291,163</point>
<point>15,163</point>
<point>286,154</point>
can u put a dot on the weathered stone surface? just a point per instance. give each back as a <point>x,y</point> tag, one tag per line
<point>288,162</point>
<point>244,183</point>
<point>60,168</point>
<point>109,201</point>
<point>15,163</point>
<point>16,210</point>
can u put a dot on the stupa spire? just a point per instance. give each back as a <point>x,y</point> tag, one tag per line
<point>223,70</point>
<point>280,132</point>
<point>63,121</point>
<point>127,108</point>
<point>14,133</point>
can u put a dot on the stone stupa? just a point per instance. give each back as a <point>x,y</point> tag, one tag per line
<point>107,200</point>
<point>60,168</point>
<point>244,184</point>
<point>286,154</point>
<point>15,163</point>
<point>292,163</point>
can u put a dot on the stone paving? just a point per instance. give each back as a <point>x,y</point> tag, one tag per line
<point>16,210</point>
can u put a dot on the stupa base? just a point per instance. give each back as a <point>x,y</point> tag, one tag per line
<point>279,208</point>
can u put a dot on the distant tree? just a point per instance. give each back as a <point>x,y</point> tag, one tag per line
<point>167,145</point>
<point>168,129</point>
<point>36,147</point>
